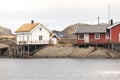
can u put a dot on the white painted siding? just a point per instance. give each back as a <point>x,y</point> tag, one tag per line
<point>23,37</point>
<point>34,36</point>
<point>43,32</point>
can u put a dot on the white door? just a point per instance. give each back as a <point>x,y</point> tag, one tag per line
<point>119,37</point>
<point>86,38</point>
<point>54,40</point>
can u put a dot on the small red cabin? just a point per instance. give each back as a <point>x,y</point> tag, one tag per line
<point>98,34</point>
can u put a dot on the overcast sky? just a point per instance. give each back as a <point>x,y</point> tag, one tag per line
<point>56,14</point>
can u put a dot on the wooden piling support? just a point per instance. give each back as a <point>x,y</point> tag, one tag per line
<point>28,52</point>
<point>112,46</point>
<point>23,52</point>
<point>21,55</point>
<point>0,52</point>
<point>35,48</point>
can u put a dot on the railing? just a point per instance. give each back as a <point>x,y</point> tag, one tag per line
<point>36,42</point>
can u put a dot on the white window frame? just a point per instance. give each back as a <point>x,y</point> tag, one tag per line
<point>97,36</point>
<point>106,35</point>
<point>79,36</point>
<point>40,37</point>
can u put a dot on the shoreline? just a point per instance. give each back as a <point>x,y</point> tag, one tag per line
<point>70,52</point>
<point>76,52</point>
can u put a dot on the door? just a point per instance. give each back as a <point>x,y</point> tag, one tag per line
<point>54,40</point>
<point>86,38</point>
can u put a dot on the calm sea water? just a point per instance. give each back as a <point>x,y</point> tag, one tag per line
<point>59,69</point>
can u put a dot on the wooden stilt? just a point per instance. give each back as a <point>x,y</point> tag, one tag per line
<point>112,46</point>
<point>0,52</point>
<point>21,55</point>
<point>35,48</point>
<point>23,52</point>
<point>28,52</point>
<point>17,51</point>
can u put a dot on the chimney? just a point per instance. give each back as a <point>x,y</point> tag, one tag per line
<point>111,22</point>
<point>32,21</point>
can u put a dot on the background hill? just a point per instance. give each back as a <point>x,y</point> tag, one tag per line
<point>71,29</point>
<point>5,31</point>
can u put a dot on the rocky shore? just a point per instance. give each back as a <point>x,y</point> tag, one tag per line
<point>75,52</point>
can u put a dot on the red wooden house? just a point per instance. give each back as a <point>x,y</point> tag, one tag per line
<point>98,34</point>
<point>114,33</point>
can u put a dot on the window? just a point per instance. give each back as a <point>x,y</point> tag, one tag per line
<point>23,38</point>
<point>97,36</point>
<point>28,38</point>
<point>107,35</point>
<point>81,36</point>
<point>19,38</point>
<point>40,37</point>
<point>40,29</point>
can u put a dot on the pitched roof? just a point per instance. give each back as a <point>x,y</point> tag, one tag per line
<point>91,29</point>
<point>27,27</point>
<point>53,34</point>
<point>114,25</point>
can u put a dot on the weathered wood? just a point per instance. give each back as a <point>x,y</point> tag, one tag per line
<point>35,48</point>
<point>28,52</point>
<point>0,52</point>
<point>25,50</point>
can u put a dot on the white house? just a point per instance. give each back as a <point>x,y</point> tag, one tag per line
<point>34,33</point>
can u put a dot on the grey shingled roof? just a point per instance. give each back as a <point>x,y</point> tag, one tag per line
<point>91,29</point>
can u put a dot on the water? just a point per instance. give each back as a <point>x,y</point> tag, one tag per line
<point>59,69</point>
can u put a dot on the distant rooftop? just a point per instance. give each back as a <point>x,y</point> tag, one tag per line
<point>91,29</point>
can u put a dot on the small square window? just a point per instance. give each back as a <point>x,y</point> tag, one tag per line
<point>97,36</point>
<point>81,36</point>
<point>40,29</point>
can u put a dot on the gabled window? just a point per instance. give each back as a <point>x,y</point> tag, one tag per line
<point>40,37</point>
<point>97,35</point>
<point>81,36</point>
<point>40,29</point>
<point>107,36</point>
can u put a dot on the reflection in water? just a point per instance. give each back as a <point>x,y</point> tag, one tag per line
<point>59,69</point>
<point>114,72</point>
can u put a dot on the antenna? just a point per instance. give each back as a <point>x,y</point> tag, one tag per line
<point>109,13</point>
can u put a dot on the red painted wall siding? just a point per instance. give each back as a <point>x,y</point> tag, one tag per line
<point>115,34</point>
<point>98,41</point>
<point>92,39</point>
<point>79,41</point>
